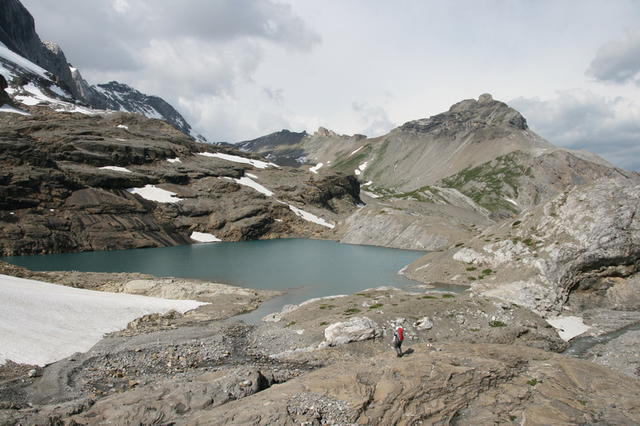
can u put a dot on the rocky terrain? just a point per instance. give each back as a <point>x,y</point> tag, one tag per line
<point>72,182</point>
<point>42,73</point>
<point>305,364</point>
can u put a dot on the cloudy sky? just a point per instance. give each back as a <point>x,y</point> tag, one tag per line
<point>239,69</point>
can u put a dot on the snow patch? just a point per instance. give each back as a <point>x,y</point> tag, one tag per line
<point>246,181</point>
<point>174,160</point>
<point>116,169</point>
<point>252,176</point>
<point>23,62</point>
<point>41,322</point>
<point>203,237</point>
<point>122,126</point>
<point>568,327</point>
<point>9,108</point>
<point>153,193</point>
<point>310,217</point>
<point>355,151</point>
<point>315,168</point>
<point>368,183</point>
<point>511,201</point>
<point>237,159</point>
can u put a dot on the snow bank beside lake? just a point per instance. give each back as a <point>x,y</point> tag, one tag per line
<point>203,237</point>
<point>41,322</point>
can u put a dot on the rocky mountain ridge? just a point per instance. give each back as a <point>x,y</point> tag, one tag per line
<point>74,182</point>
<point>482,148</point>
<point>62,83</point>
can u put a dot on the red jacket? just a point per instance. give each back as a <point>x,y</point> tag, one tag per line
<point>400,333</point>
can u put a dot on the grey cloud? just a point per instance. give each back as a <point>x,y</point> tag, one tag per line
<point>151,36</point>
<point>179,50</point>
<point>276,95</point>
<point>579,119</point>
<point>375,118</point>
<point>618,61</point>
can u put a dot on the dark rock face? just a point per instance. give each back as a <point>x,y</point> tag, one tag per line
<point>56,195</point>
<point>117,96</point>
<point>17,32</point>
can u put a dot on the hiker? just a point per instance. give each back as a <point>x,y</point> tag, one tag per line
<point>398,337</point>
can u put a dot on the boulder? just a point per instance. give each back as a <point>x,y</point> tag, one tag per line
<point>423,324</point>
<point>354,330</point>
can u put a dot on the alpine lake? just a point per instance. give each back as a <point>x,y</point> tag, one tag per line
<point>303,268</point>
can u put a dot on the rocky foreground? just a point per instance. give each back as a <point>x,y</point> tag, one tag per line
<point>468,360</point>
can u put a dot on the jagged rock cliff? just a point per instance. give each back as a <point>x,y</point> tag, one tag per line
<point>73,182</point>
<point>17,33</point>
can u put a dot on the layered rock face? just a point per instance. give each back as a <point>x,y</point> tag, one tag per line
<point>68,184</point>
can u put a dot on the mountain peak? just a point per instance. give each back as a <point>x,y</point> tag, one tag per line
<point>485,111</point>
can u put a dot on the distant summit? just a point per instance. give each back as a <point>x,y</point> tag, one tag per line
<point>482,112</point>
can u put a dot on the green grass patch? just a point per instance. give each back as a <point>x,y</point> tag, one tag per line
<point>327,306</point>
<point>471,268</point>
<point>428,296</point>
<point>376,306</point>
<point>489,184</point>
<point>487,271</point>
<point>448,296</point>
<point>516,223</point>
<point>475,330</point>
<point>497,324</point>
<point>351,311</point>
<point>290,324</point>
<point>532,382</point>
<point>324,323</point>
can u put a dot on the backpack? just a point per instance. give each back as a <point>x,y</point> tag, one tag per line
<point>400,332</point>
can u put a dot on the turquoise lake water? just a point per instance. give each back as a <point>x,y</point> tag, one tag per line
<point>305,268</point>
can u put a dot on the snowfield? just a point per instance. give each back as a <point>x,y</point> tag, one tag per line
<point>41,322</point>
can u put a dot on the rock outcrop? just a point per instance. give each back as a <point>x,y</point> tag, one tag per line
<point>585,238</point>
<point>463,384</point>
